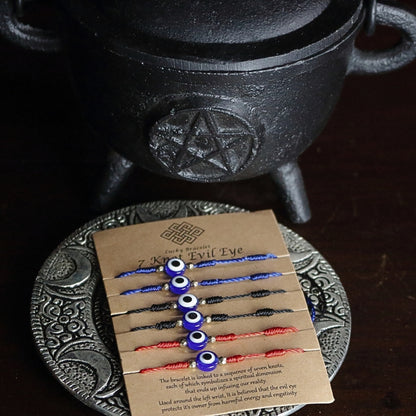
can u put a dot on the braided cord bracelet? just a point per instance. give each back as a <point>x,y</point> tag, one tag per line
<point>159,307</point>
<point>176,266</point>
<point>311,308</point>
<point>181,284</point>
<point>208,360</point>
<point>198,340</point>
<point>198,319</point>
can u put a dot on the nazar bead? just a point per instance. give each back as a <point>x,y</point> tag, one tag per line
<point>179,285</point>
<point>197,340</point>
<point>187,302</point>
<point>192,320</point>
<point>175,267</point>
<point>207,361</point>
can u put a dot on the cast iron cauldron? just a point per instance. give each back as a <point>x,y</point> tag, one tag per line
<point>215,90</point>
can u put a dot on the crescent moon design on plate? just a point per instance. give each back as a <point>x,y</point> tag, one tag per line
<point>81,274</point>
<point>102,365</point>
<point>148,216</point>
<point>328,321</point>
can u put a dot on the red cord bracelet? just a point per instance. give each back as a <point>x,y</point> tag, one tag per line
<point>197,340</point>
<point>208,360</point>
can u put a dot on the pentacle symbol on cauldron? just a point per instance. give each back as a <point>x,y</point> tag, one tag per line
<point>203,144</point>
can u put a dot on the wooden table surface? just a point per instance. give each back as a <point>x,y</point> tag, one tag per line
<point>360,177</point>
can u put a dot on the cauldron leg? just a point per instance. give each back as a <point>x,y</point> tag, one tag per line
<point>288,179</point>
<point>117,171</point>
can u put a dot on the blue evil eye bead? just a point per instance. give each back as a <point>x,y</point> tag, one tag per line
<point>197,340</point>
<point>207,361</point>
<point>175,267</point>
<point>192,320</point>
<point>179,285</point>
<point>187,302</point>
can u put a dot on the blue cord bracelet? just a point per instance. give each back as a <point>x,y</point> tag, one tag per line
<point>256,257</point>
<point>311,307</point>
<point>175,267</point>
<point>208,282</point>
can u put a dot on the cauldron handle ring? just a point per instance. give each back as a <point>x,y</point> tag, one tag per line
<point>377,62</point>
<point>25,35</point>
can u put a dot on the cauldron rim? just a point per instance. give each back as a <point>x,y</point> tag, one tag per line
<point>327,29</point>
<point>219,66</point>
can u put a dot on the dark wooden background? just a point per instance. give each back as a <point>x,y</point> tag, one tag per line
<point>360,177</point>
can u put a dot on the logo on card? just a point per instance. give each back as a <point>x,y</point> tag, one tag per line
<point>182,233</point>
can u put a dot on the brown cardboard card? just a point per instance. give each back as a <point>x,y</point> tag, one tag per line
<point>297,376</point>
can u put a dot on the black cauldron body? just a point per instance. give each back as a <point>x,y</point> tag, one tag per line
<point>220,90</point>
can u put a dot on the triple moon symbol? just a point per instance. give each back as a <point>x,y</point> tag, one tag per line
<point>203,145</point>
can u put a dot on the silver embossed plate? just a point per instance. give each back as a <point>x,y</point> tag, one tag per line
<point>71,322</point>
